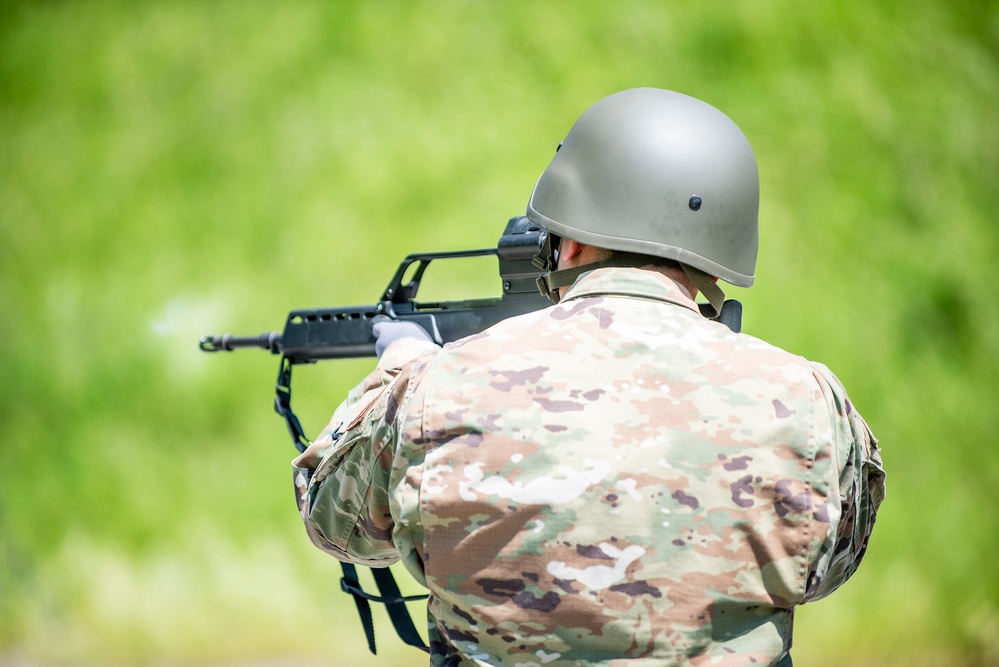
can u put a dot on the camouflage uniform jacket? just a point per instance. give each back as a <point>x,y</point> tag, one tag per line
<point>613,480</point>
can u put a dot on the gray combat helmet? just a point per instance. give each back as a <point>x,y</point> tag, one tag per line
<point>655,172</point>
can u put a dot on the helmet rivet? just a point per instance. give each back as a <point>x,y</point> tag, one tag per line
<point>695,203</point>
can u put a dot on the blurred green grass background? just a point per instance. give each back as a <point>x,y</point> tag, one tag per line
<point>174,169</point>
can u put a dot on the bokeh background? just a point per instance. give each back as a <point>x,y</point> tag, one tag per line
<point>176,168</point>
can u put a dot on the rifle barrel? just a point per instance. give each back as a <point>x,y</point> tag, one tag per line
<point>269,340</point>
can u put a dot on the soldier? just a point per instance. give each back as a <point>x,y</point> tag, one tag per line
<point>616,479</point>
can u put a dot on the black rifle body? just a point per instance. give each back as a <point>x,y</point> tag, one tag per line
<point>314,334</point>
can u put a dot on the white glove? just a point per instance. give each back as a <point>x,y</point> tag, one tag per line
<point>387,331</point>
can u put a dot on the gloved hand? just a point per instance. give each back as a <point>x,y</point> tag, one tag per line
<point>387,331</point>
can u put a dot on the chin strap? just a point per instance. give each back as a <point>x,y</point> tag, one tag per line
<point>549,283</point>
<point>717,308</point>
<point>708,287</point>
<point>545,260</point>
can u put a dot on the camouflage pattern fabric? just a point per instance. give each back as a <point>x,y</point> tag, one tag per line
<point>613,480</point>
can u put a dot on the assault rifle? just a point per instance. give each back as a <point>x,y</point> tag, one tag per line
<point>312,335</point>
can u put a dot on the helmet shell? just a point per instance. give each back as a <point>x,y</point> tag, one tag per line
<point>659,173</point>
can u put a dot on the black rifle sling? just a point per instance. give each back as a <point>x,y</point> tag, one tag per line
<point>391,596</point>
<point>350,584</point>
<point>395,604</point>
<point>282,405</point>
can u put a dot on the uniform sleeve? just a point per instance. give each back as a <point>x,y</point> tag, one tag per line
<point>854,498</point>
<point>342,479</point>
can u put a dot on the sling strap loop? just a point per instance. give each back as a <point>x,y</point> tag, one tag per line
<point>391,597</point>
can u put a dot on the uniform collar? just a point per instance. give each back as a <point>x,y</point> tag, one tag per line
<point>637,283</point>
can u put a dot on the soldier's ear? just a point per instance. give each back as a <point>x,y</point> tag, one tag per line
<point>569,250</point>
